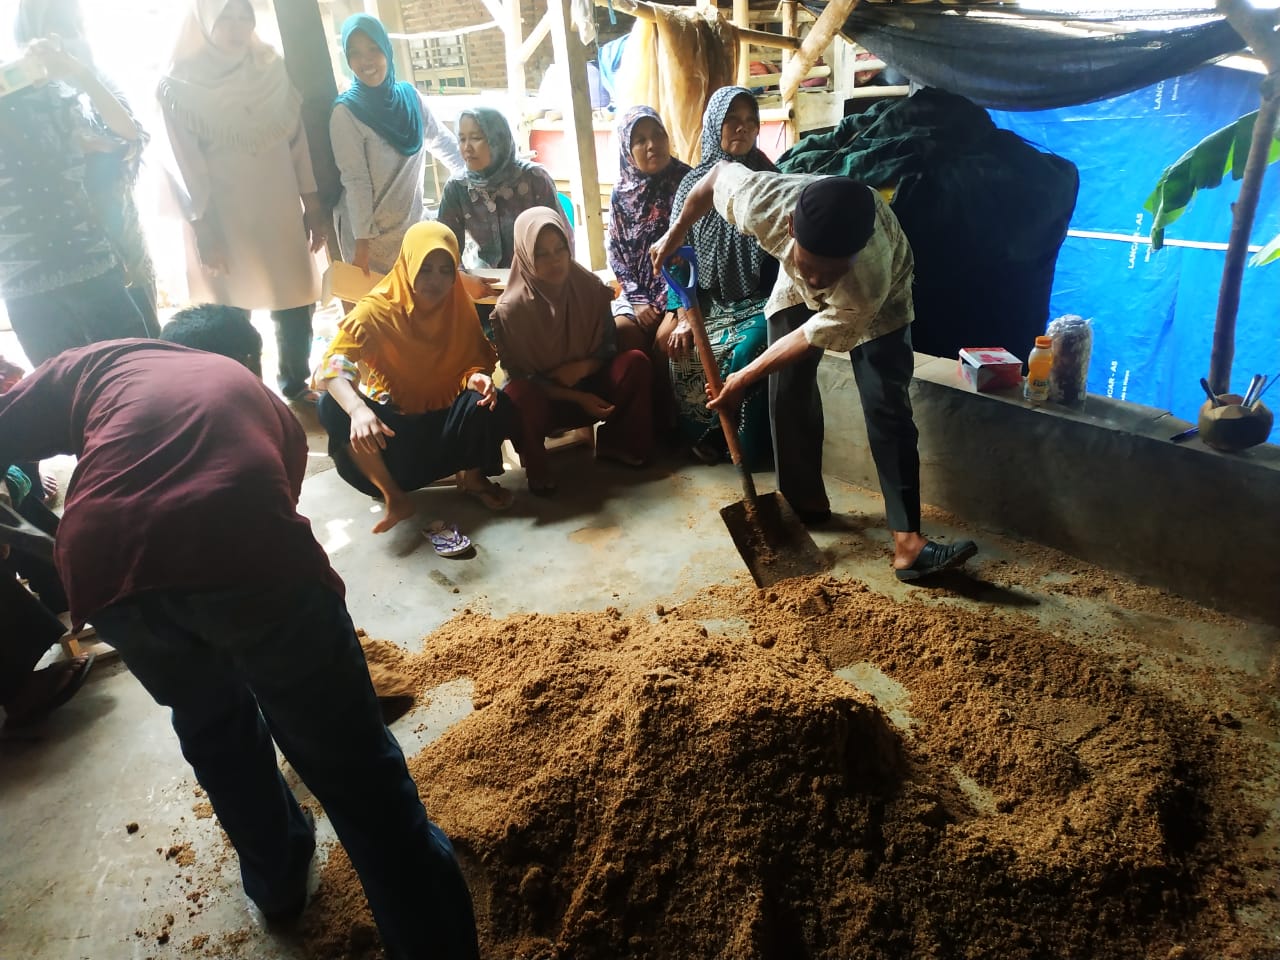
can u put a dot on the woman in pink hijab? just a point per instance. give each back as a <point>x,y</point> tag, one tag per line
<point>557,342</point>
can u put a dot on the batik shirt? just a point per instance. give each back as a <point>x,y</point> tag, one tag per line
<point>49,237</point>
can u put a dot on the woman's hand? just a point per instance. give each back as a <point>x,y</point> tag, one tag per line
<point>210,247</point>
<point>478,288</point>
<point>482,384</point>
<point>59,64</point>
<point>680,342</point>
<point>368,433</point>
<point>361,256</point>
<point>594,406</point>
<point>315,219</point>
<point>648,316</point>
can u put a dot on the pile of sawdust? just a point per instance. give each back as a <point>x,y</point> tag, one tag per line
<point>650,789</point>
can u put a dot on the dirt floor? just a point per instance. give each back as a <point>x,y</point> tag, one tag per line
<point>821,770</point>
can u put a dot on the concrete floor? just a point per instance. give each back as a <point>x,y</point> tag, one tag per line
<point>76,885</point>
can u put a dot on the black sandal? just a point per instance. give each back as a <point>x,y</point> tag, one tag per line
<point>936,557</point>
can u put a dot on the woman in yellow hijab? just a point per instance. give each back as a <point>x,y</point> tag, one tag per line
<point>427,406</point>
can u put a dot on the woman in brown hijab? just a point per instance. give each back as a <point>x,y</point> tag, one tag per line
<point>556,340</point>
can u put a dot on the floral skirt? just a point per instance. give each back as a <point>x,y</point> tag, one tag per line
<point>738,333</point>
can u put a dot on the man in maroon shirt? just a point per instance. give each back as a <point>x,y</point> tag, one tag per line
<point>180,538</point>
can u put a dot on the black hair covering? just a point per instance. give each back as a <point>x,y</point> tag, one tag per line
<point>835,217</point>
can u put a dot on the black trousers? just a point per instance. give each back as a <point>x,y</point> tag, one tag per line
<point>29,629</point>
<point>74,316</point>
<point>293,348</point>
<point>427,446</point>
<point>882,369</point>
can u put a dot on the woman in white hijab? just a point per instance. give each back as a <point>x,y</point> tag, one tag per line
<point>246,183</point>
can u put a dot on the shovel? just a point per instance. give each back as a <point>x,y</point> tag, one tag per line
<point>771,539</point>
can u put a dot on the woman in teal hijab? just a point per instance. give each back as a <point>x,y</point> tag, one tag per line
<point>378,128</point>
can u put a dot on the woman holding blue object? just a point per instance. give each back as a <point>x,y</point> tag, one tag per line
<point>735,277</point>
<point>379,128</point>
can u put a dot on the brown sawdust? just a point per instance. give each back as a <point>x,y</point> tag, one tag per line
<point>642,787</point>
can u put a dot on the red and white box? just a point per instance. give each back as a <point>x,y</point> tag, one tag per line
<point>989,368</point>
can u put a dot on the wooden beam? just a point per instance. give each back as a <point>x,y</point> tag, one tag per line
<point>513,29</point>
<point>788,26</point>
<point>760,38</point>
<point>742,20</point>
<point>763,38</point>
<point>832,19</point>
<point>535,37</point>
<point>1258,29</point>
<point>306,58</point>
<point>580,133</point>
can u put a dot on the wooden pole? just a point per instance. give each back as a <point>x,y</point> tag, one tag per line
<point>1243,212</point>
<point>788,27</point>
<point>584,177</point>
<point>1257,28</point>
<point>306,57</point>
<point>513,28</point>
<point>391,13</point>
<point>742,20</point>
<point>820,34</point>
<point>760,38</point>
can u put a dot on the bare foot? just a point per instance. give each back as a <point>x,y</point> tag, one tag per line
<point>394,511</point>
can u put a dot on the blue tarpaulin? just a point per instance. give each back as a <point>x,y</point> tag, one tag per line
<point>1153,311</point>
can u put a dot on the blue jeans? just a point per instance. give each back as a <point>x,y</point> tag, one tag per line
<point>242,667</point>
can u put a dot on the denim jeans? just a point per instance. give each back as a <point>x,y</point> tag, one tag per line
<point>244,666</point>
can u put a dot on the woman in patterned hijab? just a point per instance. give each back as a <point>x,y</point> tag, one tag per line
<point>497,187</point>
<point>735,277</point>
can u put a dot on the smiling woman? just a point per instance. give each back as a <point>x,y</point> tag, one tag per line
<point>378,129</point>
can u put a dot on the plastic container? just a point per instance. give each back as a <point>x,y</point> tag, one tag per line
<point>1072,348</point>
<point>18,74</point>
<point>1036,388</point>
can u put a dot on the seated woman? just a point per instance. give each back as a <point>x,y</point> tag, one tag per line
<point>557,342</point>
<point>640,213</point>
<point>429,407</point>
<point>497,187</point>
<point>735,277</point>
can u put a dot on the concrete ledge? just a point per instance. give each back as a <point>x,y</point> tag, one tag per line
<point>1105,485</point>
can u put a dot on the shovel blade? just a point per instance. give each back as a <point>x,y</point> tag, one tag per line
<point>771,539</point>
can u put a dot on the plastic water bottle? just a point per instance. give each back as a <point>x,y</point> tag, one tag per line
<point>1039,364</point>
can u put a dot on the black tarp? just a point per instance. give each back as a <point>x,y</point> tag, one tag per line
<point>985,211</point>
<point>1005,64</point>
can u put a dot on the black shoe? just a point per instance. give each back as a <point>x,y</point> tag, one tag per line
<point>936,557</point>
<point>814,518</point>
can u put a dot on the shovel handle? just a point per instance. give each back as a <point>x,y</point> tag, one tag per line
<point>712,373</point>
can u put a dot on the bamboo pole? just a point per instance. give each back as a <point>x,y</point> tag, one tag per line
<point>742,20</point>
<point>584,176</point>
<point>788,27</point>
<point>760,38</point>
<point>820,35</point>
<point>1257,28</point>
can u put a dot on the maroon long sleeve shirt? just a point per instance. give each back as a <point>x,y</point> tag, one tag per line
<point>188,476</point>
